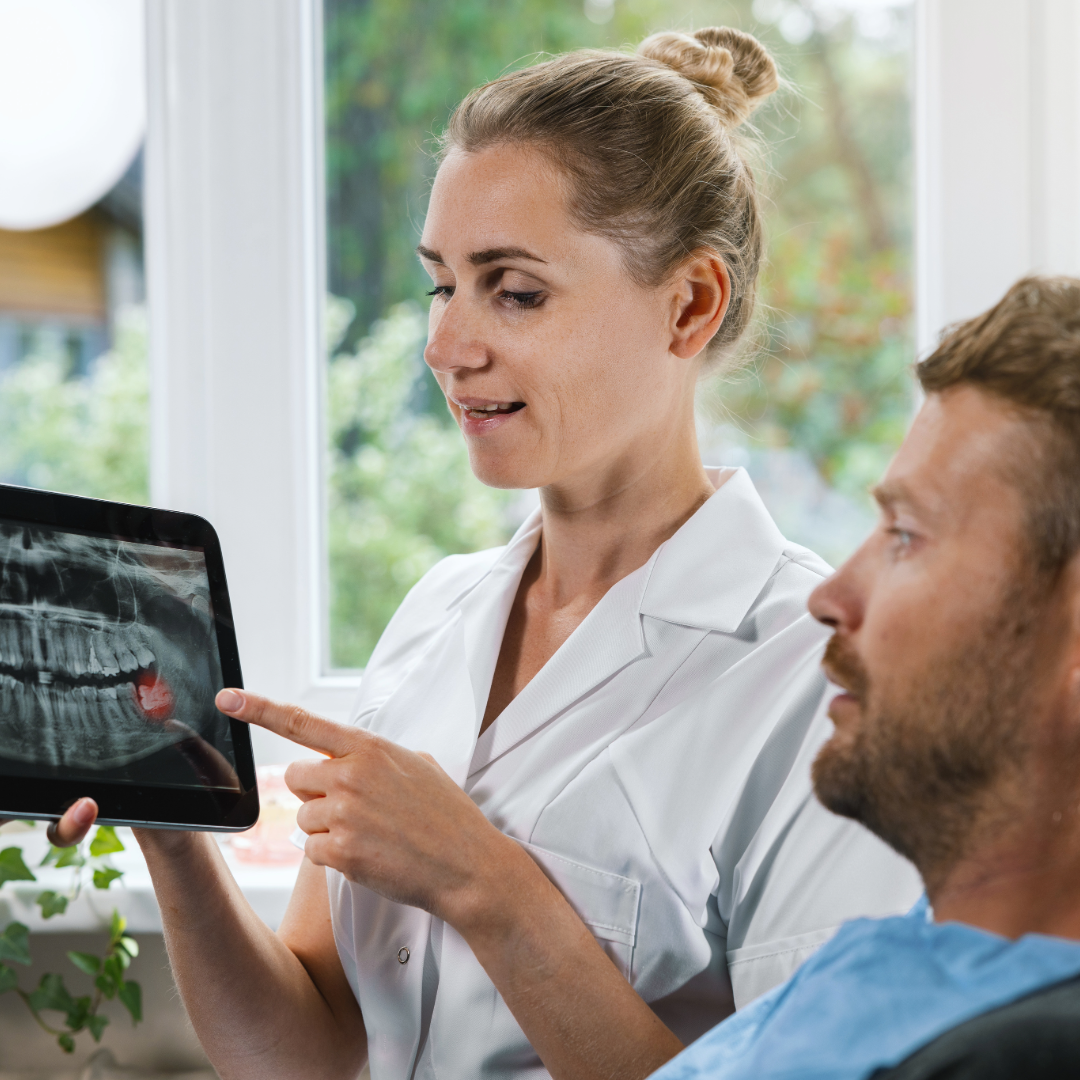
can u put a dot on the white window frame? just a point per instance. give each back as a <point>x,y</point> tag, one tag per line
<point>235,284</point>
<point>235,263</point>
<point>997,137</point>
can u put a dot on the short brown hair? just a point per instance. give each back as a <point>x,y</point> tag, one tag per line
<point>1026,349</point>
<point>647,143</point>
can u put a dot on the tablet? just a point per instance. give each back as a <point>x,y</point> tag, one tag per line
<point>115,636</point>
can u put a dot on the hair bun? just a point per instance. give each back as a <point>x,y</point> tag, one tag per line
<point>731,69</point>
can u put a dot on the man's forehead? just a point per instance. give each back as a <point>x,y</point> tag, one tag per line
<point>953,454</point>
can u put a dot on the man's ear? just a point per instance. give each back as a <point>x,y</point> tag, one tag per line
<point>701,294</point>
<point>1069,583</point>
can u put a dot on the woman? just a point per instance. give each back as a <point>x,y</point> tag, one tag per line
<point>621,706</point>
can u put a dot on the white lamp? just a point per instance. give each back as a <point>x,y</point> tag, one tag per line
<point>72,104</point>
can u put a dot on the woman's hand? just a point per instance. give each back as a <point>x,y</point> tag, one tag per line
<point>385,817</point>
<point>72,828</point>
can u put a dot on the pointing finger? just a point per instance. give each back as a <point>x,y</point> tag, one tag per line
<point>290,721</point>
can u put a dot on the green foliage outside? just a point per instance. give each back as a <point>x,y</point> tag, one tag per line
<point>401,494</point>
<point>89,436</point>
<point>828,378</point>
<point>70,1015</point>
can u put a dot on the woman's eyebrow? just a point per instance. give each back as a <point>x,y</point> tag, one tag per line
<point>481,258</point>
<point>488,255</point>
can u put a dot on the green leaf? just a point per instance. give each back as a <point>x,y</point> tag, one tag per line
<point>106,985</point>
<point>104,878</point>
<point>67,1043</point>
<point>12,867</point>
<point>15,944</point>
<point>97,1024</point>
<point>78,1014</point>
<point>8,979</point>
<point>113,968</point>
<point>116,926</point>
<point>51,994</point>
<point>129,945</point>
<point>69,856</point>
<point>105,842</point>
<point>86,962</point>
<point>51,903</point>
<point>131,999</point>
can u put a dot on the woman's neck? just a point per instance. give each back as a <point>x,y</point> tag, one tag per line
<point>598,531</point>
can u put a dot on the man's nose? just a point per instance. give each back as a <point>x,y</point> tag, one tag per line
<point>455,340</point>
<point>839,601</point>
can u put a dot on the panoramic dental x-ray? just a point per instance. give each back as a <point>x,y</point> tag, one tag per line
<point>108,657</point>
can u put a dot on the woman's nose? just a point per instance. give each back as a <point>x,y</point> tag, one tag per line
<point>454,340</point>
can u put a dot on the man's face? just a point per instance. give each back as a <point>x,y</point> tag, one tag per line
<point>937,630</point>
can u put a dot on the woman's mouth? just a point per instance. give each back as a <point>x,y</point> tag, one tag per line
<point>479,417</point>
<point>486,412</point>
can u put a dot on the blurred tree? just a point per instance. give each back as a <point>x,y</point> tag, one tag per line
<point>829,375</point>
<point>85,435</point>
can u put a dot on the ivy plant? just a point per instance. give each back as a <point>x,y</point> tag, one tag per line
<point>90,864</point>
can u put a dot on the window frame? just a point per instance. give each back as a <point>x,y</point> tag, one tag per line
<point>235,225</point>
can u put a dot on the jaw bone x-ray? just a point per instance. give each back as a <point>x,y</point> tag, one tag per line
<point>108,656</point>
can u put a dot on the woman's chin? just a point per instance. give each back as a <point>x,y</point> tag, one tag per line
<point>498,472</point>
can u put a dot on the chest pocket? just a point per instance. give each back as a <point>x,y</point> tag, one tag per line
<point>606,903</point>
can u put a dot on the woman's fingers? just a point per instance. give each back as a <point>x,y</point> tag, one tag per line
<point>74,825</point>
<point>290,721</point>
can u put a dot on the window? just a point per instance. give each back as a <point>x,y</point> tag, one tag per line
<point>73,370</point>
<point>235,259</point>
<point>816,414</point>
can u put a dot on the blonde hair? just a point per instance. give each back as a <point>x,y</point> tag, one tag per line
<point>647,142</point>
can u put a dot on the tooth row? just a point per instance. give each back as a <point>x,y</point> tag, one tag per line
<point>83,726</point>
<point>62,646</point>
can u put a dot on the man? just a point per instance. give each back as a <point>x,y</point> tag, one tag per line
<point>957,646</point>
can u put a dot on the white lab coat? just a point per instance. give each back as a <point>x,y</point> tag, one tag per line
<point>657,768</point>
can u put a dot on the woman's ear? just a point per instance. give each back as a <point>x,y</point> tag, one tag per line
<point>702,292</point>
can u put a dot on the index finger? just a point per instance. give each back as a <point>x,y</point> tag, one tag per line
<point>290,721</point>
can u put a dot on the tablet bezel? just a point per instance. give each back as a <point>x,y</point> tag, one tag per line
<point>204,809</point>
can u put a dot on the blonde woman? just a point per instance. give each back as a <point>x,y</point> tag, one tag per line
<point>571,826</point>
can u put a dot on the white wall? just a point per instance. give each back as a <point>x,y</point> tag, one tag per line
<point>997,150</point>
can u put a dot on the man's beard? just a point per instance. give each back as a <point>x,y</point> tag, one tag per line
<point>927,767</point>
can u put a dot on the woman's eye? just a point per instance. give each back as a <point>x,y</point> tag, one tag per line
<point>445,291</point>
<point>522,299</point>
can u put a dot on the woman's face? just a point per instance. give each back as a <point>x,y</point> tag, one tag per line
<point>556,365</point>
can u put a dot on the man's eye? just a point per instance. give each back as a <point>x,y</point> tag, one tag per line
<point>445,291</point>
<point>903,538</point>
<point>521,299</point>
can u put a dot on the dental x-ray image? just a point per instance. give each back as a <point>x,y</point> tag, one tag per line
<point>108,661</point>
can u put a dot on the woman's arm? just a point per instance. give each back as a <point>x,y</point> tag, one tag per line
<point>576,1009</point>
<point>264,1005</point>
<point>393,821</point>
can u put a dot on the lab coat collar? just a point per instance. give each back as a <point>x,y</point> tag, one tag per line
<point>513,559</point>
<point>711,571</point>
<point>707,575</point>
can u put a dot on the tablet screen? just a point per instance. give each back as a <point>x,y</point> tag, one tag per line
<point>109,662</point>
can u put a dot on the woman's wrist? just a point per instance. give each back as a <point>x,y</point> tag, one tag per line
<point>491,904</point>
<point>166,843</point>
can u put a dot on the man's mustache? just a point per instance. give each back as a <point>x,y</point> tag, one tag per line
<point>843,667</point>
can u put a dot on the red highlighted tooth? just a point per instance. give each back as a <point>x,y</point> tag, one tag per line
<point>154,695</point>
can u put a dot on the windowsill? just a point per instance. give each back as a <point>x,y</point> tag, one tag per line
<point>267,888</point>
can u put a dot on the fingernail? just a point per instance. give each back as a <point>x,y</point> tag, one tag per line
<point>84,811</point>
<point>229,701</point>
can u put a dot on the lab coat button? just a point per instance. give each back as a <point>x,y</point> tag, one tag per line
<point>403,954</point>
